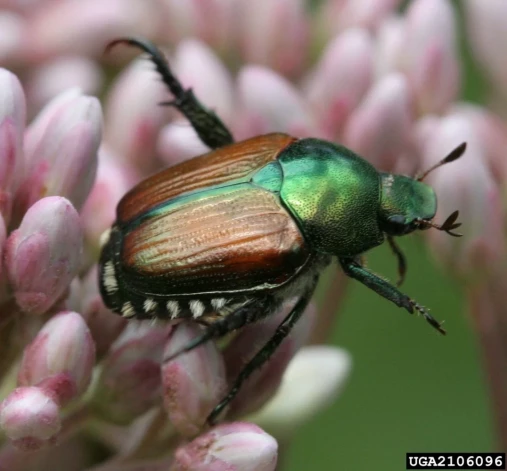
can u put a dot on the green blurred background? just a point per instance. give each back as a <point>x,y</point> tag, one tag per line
<point>411,390</point>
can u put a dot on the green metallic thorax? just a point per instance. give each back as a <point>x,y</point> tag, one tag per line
<point>333,194</point>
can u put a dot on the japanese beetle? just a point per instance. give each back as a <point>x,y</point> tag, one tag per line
<point>226,237</point>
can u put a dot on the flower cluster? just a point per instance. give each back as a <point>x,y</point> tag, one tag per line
<point>384,82</point>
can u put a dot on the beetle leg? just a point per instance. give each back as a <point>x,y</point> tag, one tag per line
<point>353,269</point>
<point>208,126</point>
<point>402,262</point>
<point>266,351</point>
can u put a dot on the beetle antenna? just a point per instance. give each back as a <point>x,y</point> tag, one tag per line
<point>448,226</point>
<point>451,157</point>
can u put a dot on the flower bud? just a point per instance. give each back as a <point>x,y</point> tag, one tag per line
<point>194,382</point>
<point>30,418</point>
<point>133,115</point>
<point>340,15</point>
<point>44,254</point>
<point>64,347</point>
<point>341,78</point>
<point>235,446</point>
<point>105,326</point>
<point>129,382</point>
<point>12,126</point>
<point>211,21</point>
<point>283,43</point>
<point>61,28</point>
<point>113,180</point>
<point>487,34</point>
<point>313,379</point>
<point>430,56</point>
<point>469,187</point>
<point>270,103</point>
<point>379,129</point>
<point>13,28</point>
<point>63,73</point>
<point>61,150</point>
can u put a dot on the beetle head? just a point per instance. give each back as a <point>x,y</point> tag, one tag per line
<point>408,204</point>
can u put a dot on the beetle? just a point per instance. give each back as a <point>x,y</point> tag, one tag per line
<point>226,237</point>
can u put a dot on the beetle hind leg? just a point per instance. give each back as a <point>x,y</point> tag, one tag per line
<point>208,126</point>
<point>264,354</point>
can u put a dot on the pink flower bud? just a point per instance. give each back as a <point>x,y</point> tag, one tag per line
<point>487,34</point>
<point>314,378</point>
<point>262,384</point>
<point>105,326</point>
<point>235,446</point>
<point>274,34</point>
<point>194,382</point>
<point>77,28</point>
<point>13,27</point>
<point>339,15</point>
<point>133,115</point>
<point>389,46</point>
<point>179,142</point>
<point>12,126</point>
<point>99,211</point>
<point>49,80</point>
<point>211,21</point>
<point>430,54</point>
<point>129,382</point>
<point>44,254</point>
<point>379,129</point>
<point>30,418</point>
<point>468,186</point>
<point>341,78</point>
<point>199,68</point>
<point>61,150</point>
<point>492,132</point>
<point>64,346</point>
<point>270,103</point>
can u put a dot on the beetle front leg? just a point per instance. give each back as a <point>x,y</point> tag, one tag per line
<point>355,270</point>
<point>266,351</point>
<point>208,126</point>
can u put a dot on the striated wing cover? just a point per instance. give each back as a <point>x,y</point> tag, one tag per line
<point>220,166</point>
<point>229,239</point>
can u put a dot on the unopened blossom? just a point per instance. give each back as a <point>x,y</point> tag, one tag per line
<point>61,357</point>
<point>133,115</point>
<point>30,418</point>
<point>312,381</point>
<point>61,74</point>
<point>105,326</point>
<point>44,254</point>
<point>470,188</point>
<point>283,44</point>
<point>234,446</point>
<point>270,103</point>
<point>194,383</point>
<point>12,126</point>
<point>341,78</point>
<point>487,33</point>
<point>56,369</point>
<point>130,379</point>
<point>380,127</point>
<point>429,54</point>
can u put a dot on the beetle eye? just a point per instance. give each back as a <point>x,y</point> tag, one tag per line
<point>397,220</point>
<point>397,225</point>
